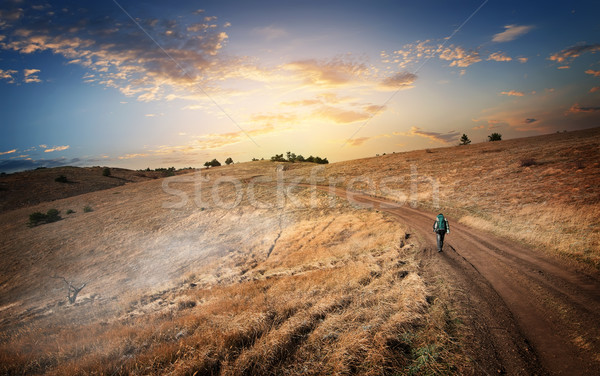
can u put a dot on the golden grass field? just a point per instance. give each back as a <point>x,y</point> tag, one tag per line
<point>311,286</point>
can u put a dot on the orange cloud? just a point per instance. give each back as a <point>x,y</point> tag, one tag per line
<point>513,93</point>
<point>460,57</point>
<point>358,141</point>
<point>595,73</point>
<point>576,108</point>
<point>56,148</point>
<point>573,52</point>
<point>499,56</point>
<point>336,72</point>
<point>8,152</point>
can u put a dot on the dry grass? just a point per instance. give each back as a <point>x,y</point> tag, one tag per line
<point>550,202</point>
<point>293,290</point>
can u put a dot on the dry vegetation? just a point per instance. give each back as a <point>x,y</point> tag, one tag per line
<point>543,191</point>
<point>299,289</point>
<point>205,290</point>
<point>28,188</point>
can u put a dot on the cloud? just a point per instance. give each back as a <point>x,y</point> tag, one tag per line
<point>573,52</point>
<point>8,152</point>
<point>511,32</point>
<point>340,115</point>
<point>133,155</point>
<point>576,108</point>
<point>529,121</point>
<point>499,56</point>
<point>459,56</point>
<point>31,76</point>
<point>270,32</point>
<point>401,80</point>
<point>595,73</point>
<point>335,72</point>
<point>435,136</point>
<point>358,141</point>
<point>117,54</point>
<point>8,75</point>
<point>522,60</point>
<point>56,148</point>
<point>513,93</point>
<point>594,89</point>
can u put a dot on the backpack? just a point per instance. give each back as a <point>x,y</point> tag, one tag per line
<point>441,221</point>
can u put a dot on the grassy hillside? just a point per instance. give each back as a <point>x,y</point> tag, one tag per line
<point>543,191</point>
<point>209,289</point>
<point>32,187</point>
<point>286,281</point>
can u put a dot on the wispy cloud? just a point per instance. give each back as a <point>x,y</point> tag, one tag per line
<point>513,93</point>
<point>117,54</point>
<point>573,52</point>
<point>594,89</point>
<point>331,73</point>
<point>511,32</point>
<point>595,73</point>
<point>358,141</point>
<point>271,32</point>
<point>529,120</point>
<point>56,148</point>
<point>522,60</point>
<point>8,152</point>
<point>8,75</point>
<point>31,75</point>
<point>576,108</point>
<point>435,136</point>
<point>499,56</point>
<point>401,80</point>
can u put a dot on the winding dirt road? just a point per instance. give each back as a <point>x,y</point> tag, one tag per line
<point>525,312</point>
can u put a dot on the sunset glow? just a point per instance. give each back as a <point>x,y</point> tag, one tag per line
<point>155,84</point>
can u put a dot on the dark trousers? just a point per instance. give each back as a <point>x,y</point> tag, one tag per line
<point>440,239</point>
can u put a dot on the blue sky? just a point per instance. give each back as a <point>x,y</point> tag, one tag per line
<point>157,84</point>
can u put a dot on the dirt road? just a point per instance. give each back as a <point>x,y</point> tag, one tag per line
<point>524,312</point>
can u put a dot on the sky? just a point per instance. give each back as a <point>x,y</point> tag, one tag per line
<point>139,84</point>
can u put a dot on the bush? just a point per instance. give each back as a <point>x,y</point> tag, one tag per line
<point>61,179</point>
<point>39,218</point>
<point>228,161</point>
<point>526,162</point>
<point>495,137</point>
<point>106,171</point>
<point>87,209</point>
<point>70,211</point>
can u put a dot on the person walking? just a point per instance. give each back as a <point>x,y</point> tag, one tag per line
<point>441,228</point>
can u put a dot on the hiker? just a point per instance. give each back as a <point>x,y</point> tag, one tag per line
<point>441,228</point>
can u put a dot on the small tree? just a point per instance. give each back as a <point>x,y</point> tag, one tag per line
<point>207,164</point>
<point>228,161</point>
<point>464,140</point>
<point>495,137</point>
<point>215,163</point>
<point>106,171</point>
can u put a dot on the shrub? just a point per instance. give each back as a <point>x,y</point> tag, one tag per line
<point>87,209</point>
<point>495,137</point>
<point>39,218</point>
<point>70,211</point>
<point>106,171</point>
<point>61,179</point>
<point>526,162</point>
<point>228,161</point>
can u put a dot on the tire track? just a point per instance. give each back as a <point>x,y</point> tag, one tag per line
<point>532,314</point>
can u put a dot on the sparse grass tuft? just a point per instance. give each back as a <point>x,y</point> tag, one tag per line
<point>87,209</point>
